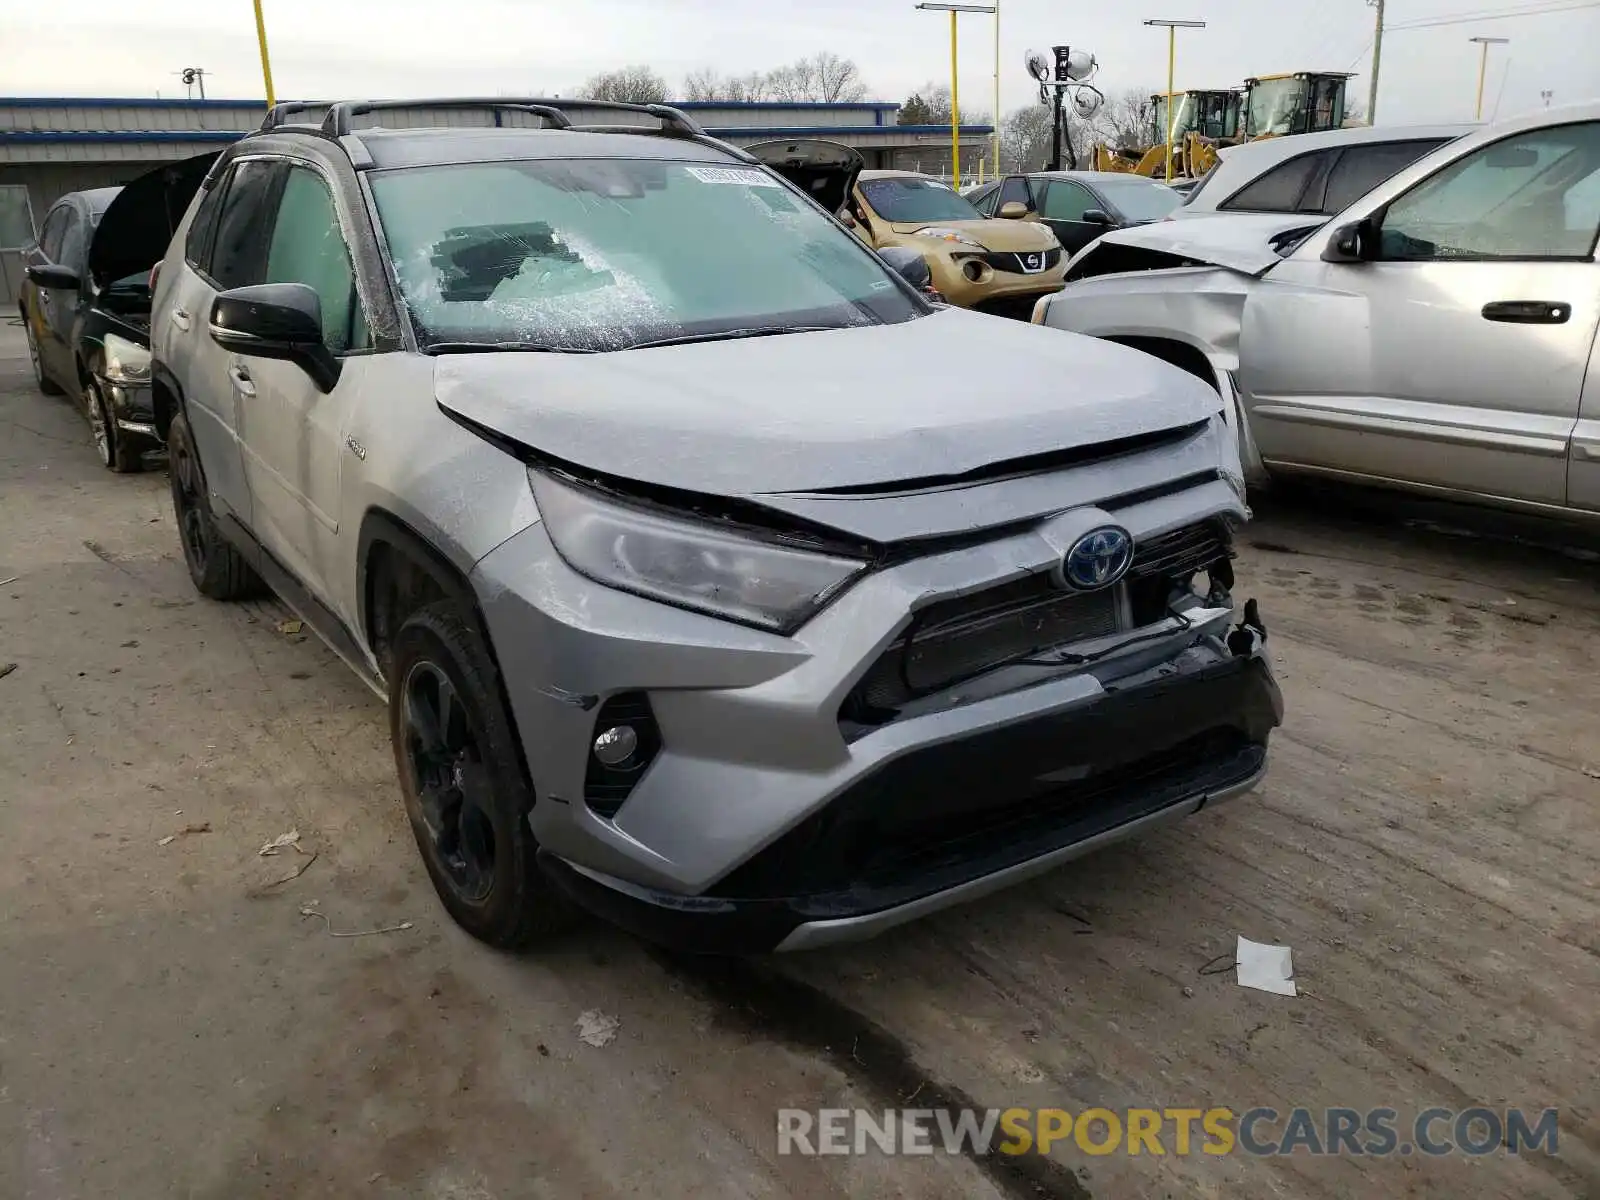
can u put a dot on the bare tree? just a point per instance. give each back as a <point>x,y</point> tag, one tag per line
<point>707,84</point>
<point>1124,120</point>
<point>836,80</point>
<point>1355,111</point>
<point>629,85</point>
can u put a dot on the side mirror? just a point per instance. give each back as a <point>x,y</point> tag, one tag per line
<point>52,275</point>
<point>276,320</point>
<point>909,265</point>
<point>1352,243</point>
<point>1097,216</point>
<point>1012,210</point>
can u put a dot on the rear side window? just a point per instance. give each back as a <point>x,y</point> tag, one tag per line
<point>197,245</point>
<point>242,224</point>
<point>1362,168</point>
<point>1279,189</point>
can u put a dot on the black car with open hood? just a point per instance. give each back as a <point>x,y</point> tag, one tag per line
<point>86,301</point>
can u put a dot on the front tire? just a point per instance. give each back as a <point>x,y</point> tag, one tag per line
<point>215,565</point>
<point>113,449</point>
<point>465,792</point>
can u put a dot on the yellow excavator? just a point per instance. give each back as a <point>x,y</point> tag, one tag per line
<point>1267,106</point>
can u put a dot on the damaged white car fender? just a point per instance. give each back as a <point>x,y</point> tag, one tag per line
<point>1201,307</point>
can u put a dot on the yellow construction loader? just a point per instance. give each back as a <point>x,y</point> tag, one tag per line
<point>1202,120</point>
<point>1267,106</point>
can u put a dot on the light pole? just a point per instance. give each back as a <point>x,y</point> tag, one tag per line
<point>1483,65</point>
<point>1172,28</point>
<point>994,135</point>
<point>266,63</point>
<point>955,98</point>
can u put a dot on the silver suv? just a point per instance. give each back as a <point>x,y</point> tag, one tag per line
<point>716,580</point>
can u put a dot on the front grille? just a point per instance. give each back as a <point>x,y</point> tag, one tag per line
<point>1027,263</point>
<point>954,640</point>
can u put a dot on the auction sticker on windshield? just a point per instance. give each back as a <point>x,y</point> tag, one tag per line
<point>739,175</point>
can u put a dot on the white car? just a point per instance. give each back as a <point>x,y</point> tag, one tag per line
<point>1316,173</point>
<point>1438,335</point>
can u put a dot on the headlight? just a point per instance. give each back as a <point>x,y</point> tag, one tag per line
<point>125,361</point>
<point>730,575</point>
<point>948,235</point>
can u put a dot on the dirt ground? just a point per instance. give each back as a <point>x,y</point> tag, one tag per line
<point>172,1024</point>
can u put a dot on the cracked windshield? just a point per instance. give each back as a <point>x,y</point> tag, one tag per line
<point>606,254</point>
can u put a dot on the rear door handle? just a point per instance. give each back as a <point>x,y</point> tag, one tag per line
<point>242,383</point>
<point>180,318</point>
<point>1528,312</point>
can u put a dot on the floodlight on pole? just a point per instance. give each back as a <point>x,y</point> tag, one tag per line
<point>1483,65</point>
<point>955,100</point>
<point>1172,28</point>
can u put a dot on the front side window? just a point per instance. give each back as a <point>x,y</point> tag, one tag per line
<point>55,225</point>
<point>910,199</point>
<point>1139,199</point>
<point>604,254</point>
<point>983,198</point>
<point>1512,199</point>
<point>242,224</point>
<point>307,247</point>
<point>74,240</point>
<point>1362,168</point>
<point>1013,190</point>
<point>1064,201</point>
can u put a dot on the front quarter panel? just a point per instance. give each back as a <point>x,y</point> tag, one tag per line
<point>404,457</point>
<point>1200,306</point>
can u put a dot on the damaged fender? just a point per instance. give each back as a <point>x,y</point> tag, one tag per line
<point>1201,307</point>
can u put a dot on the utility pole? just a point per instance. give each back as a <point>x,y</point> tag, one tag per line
<point>1377,59</point>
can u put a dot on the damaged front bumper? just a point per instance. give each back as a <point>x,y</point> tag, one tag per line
<point>956,820</point>
<point>881,762</point>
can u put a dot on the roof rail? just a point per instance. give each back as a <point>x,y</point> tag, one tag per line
<point>277,114</point>
<point>675,121</point>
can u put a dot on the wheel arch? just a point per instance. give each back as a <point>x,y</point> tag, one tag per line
<point>1181,353</point>
<point>398,569</point>
<point>166,397</point>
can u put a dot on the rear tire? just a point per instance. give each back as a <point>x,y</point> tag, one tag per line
<point>45,384</point>
<point>461,776</point>
<point>113,449</point>
<point>215,565</point>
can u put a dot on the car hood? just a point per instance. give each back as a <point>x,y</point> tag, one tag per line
<point>990,233</point>
<point>135,228</point>
<point>825,171</point>
<point>1238,242</point>
<point>835,410</point>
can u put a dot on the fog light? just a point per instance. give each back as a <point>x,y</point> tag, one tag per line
<point>972,269</point>
<point>615,746</point>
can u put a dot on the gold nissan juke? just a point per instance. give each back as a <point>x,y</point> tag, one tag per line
<point>1000,264</point>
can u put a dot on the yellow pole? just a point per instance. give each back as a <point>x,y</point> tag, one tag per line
<point>955,110</point>
<point>1483,67</point>
<point>266,62</point>
<point>1172,70</point>
<point>994,137</point>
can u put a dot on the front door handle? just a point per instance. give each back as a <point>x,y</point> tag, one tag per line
<point>1528,312</point>
<point>180,318</point>
<point>242,383</point>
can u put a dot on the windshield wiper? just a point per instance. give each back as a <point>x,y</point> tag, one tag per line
<point>728,335</point>
<point>492,347</point>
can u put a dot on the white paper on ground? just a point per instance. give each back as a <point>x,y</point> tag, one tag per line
<point>1265,968</point>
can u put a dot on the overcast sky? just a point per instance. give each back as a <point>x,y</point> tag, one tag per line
<point>332,48</point>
